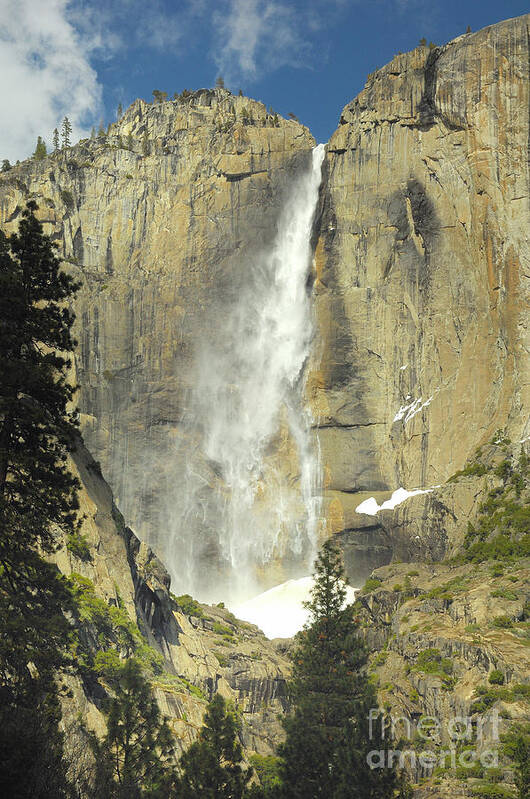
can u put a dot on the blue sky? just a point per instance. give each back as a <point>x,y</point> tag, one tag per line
<point>309,57</point>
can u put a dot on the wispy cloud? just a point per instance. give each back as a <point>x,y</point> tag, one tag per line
<point>256,36</point>
<point>46,74</point>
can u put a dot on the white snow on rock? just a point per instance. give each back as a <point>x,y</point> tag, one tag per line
<point>279,612</point>
<point>370,506</point>
<point>406,412</point>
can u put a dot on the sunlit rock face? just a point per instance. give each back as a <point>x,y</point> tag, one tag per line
<point>166,223</point>
<point>422,271</point>
<point>416,322</point>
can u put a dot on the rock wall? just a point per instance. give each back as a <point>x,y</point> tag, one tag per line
<point>422,274</point>
<point>159,219</point>
<point>204,649</point>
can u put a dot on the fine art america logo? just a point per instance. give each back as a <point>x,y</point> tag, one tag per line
<point>467,737</point>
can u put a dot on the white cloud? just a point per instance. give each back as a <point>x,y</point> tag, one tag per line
<point>46,74</point>
<point>257,36</point>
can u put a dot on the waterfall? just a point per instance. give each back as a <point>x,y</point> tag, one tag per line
<point>255,497</point>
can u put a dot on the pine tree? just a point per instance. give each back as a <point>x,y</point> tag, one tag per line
<point>40,149</point>
<point>66,132</point>
<point>159,97</point>
<point>101,130</point>
<point>119,112</point>
<point>6,166</point>
<point>211,767</point>
<point>38,496</point>
<point>93,133</point>
<point>219,82</point>
<point>134,758</point>
<point>327,735</point>
<point>56,141</point>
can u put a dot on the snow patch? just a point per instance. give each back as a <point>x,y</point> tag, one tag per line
<point>279,612</point>
<point>406,412</point>
<point>402,368</point>
<point>370,506</point>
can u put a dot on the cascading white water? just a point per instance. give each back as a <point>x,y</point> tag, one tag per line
<point>255,431</point>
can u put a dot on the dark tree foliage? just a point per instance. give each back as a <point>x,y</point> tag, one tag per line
<point>6,166</point>
<point>159,96</point>
<point>211,767</point>
<point>38,495</point>
<point>56,141</point>
<point>40,149</point>
<point>133,759</point>
<point>517,747</point>
<point>327,734</point>
<point>66,132</point>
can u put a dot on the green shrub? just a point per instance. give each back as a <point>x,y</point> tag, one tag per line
<point>488,696</point>
<point>413,573</point>
<point>372,584</point>
<point>397,587</point>
<point>505,593</point>
<point>188,605</point>
<point>106,627</point>
<point>472,628</point>
<point>473,469</point>
<point>492,791</point>
<point>496,677</point>
<point>194,689</point>
<point>77,544</point>
<point>221,659</point>
<point>267,767</point>
<point>379,659</point>
<point>502,622</point>
<point>221,629</point>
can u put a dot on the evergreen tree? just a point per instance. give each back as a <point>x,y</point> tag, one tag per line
<point>211,767</point>
<point>93,133</point>
<point>133,759</point>
<point>38,496</point>
<point>66,132</point>
<point>40,149</point>
<point>119,112</point>
<point>159,97</point>
<point>219,82</point>
<point>517,747</point>
<point>327,734</point>
<point>6,166</point>
<point>101,130</point>
<point>56,141</point>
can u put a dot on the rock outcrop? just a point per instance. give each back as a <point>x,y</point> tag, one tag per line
<point>198,650</point>
<point>450,648</point>
<point>422,268</point>
<point>159,219</point>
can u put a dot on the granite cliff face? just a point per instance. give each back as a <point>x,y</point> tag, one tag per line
<point>191,651</point>
<point>420,355</point>
<point>160,221</point>
<point>421,292</point>
<point>421,274</point>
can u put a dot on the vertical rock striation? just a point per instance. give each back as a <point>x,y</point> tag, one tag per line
<point>159,220</point>
<point>422,274</point>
